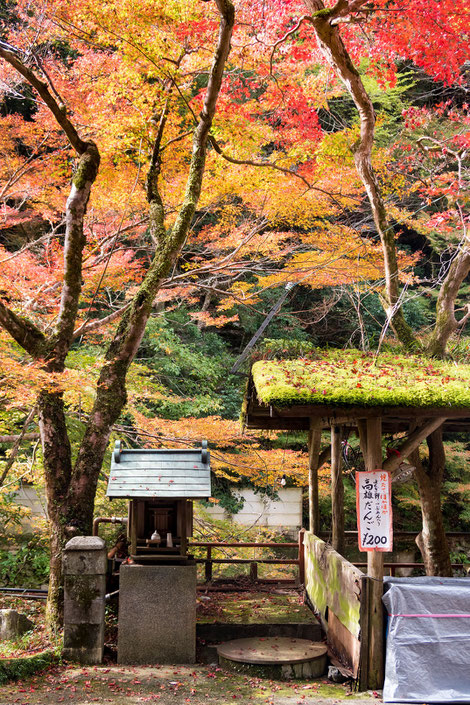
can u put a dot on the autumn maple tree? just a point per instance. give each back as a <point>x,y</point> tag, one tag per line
<point>70,484</point>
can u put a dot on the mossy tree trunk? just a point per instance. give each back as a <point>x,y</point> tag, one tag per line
<point>432,540</point>
<point>71,487</point>
<point>326,24</point>
<point>446,322</point>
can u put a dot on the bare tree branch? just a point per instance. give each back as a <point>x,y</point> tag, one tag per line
<point>96,325</point>
<point>14,451</point>
<point>269,165</point>
<point>285,37</point>
<point>57,109</point>
<point>14,437</point>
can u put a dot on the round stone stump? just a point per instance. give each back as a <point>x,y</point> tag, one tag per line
<point>278,658</point>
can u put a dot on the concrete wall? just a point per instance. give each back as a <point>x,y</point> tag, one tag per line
<point>259,509</point>
<point>27,496</point>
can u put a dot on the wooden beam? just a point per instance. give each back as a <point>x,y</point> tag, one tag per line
<point>133,525</point>
<point>314,441</point>
<point>375,568</point>
<point>391,424</point>
<point>340,414</point>
<point>337,492</point>
<point>412,443</point>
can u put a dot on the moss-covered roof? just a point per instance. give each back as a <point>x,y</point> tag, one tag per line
<point>353,378</point>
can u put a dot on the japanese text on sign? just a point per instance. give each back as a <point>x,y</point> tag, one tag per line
<point>374,510</point>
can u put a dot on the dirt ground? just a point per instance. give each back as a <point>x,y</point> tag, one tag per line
<point>165,685</point>
<point>173,685</point>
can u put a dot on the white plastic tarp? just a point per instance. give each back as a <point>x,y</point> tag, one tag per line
<point>428,640</point>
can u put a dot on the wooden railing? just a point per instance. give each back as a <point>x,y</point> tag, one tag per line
<point>209,560</point>
<point>392,567</point>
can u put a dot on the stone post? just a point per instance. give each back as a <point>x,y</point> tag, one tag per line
<point>85,589</point>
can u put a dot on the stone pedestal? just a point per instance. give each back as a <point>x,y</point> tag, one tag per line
<point>157,614</point>
<point>84,600</point>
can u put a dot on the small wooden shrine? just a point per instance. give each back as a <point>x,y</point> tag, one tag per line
<point>160,485</point>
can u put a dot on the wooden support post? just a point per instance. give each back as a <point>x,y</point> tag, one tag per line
<point>363,675</point>
<point>314,440</point>
<point>337,492</point>
<point>254,572</point>
<point>301,557</point>
<point>208,567</point>
<point>183,527</point>
<point>375,568</point>
<point>133,526</point>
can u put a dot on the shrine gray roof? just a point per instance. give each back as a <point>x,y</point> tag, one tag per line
<point>163,473</point>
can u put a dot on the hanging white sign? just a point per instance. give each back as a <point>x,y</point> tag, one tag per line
<point>374,510</point>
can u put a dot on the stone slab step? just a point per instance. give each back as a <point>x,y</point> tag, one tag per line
<point>279,658</point>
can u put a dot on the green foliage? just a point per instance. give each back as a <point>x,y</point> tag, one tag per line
<point>191,364</point>
<point>351,377</point>
<point>282,349</point>
<point>284,323</point>
<point>456,486</point>
<point>11,514</point>
<point>26,565</point>
<point>22,643</point>
<point>222,490</point>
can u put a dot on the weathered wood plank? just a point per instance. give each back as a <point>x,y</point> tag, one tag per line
<point>333,586</point>
<point>344,644</point>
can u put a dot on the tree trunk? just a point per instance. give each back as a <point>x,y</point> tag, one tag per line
<point>446,323</point>
<point>77,499</point>
<point>57,459</point>
<point>432,540</point>
<point>55,596</point>
<point>334,50</point>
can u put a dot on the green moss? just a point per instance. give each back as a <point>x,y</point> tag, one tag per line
<point>82,589</point>
<point>353,378</point>
<point>255,608</point>
<point>87,167</point>
<point>324,13</point>
<point>19,668</point>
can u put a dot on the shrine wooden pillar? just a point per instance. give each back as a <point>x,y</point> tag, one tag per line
<point>370,433</point>
<point>337,492</point>
<point>314,440</point>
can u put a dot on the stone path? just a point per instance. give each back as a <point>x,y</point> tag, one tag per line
<point>170,685</point>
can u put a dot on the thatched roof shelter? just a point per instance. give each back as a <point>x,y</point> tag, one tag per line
<point>342,386</point>
<point>337,388</point>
